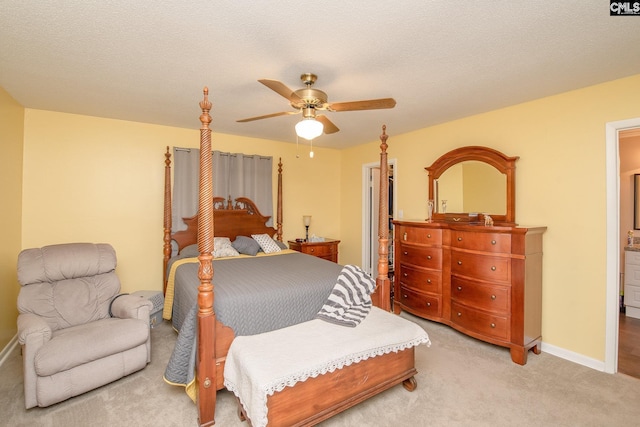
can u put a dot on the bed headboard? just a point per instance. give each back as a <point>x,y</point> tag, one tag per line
<point>241,218</point>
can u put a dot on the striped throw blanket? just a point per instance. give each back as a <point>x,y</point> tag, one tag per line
<point>350,300</point>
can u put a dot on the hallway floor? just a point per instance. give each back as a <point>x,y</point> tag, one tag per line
<point>629,346</point>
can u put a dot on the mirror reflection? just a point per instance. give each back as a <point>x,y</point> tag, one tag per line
<point>471,186</point>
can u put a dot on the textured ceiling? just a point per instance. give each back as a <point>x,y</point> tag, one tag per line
<point>148,61</point>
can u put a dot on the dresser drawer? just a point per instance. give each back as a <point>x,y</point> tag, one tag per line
<point>420,304</point>
<point>480,322</point>
<point>631,274</point>
<point>319,250</point>
<point>423,256</point>
<point>423,236</point>
<point>482,267</point>
<point>486,242</point>
<point>632,257</point>
<point>423,280</point>
<point>632,296</point>
<point>494,298</point>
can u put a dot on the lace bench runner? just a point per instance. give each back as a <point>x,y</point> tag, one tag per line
<point>262,366</point>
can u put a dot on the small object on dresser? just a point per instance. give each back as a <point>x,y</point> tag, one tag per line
<point>630,238</point>
<point>488,221</point>
<point>430,206</point>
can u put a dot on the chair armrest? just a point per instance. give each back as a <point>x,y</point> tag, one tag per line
<point>131,307</point>
<point>33,333</point>
<point>33,329</point>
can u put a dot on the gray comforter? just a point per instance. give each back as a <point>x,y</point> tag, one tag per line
<point>252,296</point>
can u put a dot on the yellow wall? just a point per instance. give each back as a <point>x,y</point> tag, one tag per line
<point>560,184</point>
<point>101,180</point>
<point>11,135</point>
<point>94,179</point>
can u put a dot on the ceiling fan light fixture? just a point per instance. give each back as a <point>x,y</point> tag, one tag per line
<point>309,128</point>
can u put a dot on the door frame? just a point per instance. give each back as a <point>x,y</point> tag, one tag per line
<point>367,227</point>
<point>612,167</point>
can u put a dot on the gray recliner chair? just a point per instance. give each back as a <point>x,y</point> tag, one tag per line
<point>77,333</point>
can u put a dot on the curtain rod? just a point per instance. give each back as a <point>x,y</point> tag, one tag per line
<point>188,150</point>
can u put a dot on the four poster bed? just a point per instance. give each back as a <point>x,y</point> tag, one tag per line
<point>306,402</point>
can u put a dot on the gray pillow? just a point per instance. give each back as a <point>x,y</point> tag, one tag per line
<point>281,244</point>
<point>246,245</point>
<point>190,251</point>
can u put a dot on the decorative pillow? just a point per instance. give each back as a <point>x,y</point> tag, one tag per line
<point>267,244</point>
<point>282,245</point>
<point>222,247</point>
<point>190,251</point>
<point>246,245</point>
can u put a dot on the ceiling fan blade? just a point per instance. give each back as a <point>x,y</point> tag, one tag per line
<point>371,104</point>
<point>268,116</point>
<point>281,89</point>
<point>329,127</point>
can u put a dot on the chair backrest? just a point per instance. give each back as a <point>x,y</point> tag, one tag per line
<point>68,284</point>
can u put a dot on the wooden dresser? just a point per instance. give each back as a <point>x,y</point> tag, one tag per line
<point>483,281</point>
<point>632,281</point>
<point>327,249</point>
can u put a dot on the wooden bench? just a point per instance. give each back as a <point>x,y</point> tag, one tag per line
<point>306,373</point>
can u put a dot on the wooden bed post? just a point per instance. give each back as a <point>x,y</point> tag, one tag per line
<point>382,296</point>
<point>167,218</point>
<point>205,358</point>
<point>279,207</point>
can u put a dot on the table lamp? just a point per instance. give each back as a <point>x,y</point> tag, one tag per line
<point>306,219</point>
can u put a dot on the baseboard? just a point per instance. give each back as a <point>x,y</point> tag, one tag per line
<point>6,351</point>
<point>573,357</point>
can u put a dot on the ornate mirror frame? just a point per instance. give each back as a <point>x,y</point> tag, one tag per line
<point>504,164</point>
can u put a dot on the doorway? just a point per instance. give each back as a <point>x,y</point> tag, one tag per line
<point>629,324</point>
<point>370,193</point>
<point>613,239</point>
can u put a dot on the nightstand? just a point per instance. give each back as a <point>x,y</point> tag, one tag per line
<point>327,249</point>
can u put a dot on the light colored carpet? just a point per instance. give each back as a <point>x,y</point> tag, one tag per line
<point>461,382</point>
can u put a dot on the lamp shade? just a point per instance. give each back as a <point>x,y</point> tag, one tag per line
<point>309,128</point>
<point>307,220</point>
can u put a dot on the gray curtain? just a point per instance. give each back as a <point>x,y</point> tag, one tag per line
<point>234,175</point>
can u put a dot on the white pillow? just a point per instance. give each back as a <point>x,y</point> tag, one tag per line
<point>222,247</point>
<point>267,244</point>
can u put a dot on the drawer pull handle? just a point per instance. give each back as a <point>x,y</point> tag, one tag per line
<point>493,268</point>
<point>406,253</point>
<point>428,256</point>
<point>405,274</point>
<point>493,297</point>
<point>428,304</point>
<point>404,237</point>
<point>404,296</point>
<point>428,236</point>
<point>493,242</point>
<point>493,325</point>
<point>459,239</point>
<point>312,250</point>
<point>459,314</point>
<point>459,262</point>
<point>428,280</point>
<point>459,288</point>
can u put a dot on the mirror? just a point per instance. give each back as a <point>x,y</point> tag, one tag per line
<point>473,180</point>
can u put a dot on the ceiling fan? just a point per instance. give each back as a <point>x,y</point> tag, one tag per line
<point>309,101</point>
